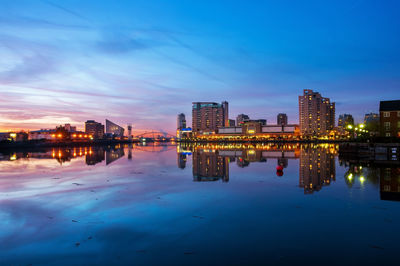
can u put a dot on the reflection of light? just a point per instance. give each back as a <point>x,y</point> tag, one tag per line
<point>13,157</point>
<point>13,135</point>
<point>252,152</point>
<point>362,179</point>
<point>350,176</point>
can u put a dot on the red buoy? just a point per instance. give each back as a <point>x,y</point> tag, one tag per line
<point>279,168</point>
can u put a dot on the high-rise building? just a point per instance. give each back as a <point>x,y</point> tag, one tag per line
<point>242,118</point>
<point>345,119</point>
<point>181,121</point>
<point>316,114</point>
<point>94,129</point>
<point>209,116</point>
<point>114,129</point>
<point>281,119</point>
<point>231,122</point>
<point>389,118</point>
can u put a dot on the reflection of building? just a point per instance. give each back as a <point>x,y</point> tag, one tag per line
<point>317,169</point>
<point>182,160</point>
<point>281,119</point>
<point>390,118</point>
<point>316,114</point>
<point>94,129</point>
<point>114,154</point>
<point>390,183</point>
<point>114,129</point>
<point>209,166</point>
<point>209,116</point>
<point>95,155</point>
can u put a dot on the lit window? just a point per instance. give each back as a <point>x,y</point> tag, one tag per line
<point>387,134</point>
<point>386,114</point>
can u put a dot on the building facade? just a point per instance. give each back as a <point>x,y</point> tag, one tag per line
<point>94,129</point>
<point>345,119</point>
<point>114,129</point>
<point>281,119</point>
<point>207,117</point>
<point>316,114</point>
<point>389,113</point>
<point>240,119</point>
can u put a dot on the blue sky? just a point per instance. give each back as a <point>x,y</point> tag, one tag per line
<point>143,62</point>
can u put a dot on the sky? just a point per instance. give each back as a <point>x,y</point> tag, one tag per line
<point>143,62</point>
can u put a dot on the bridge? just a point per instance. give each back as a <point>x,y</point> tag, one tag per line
<point>156,136</point>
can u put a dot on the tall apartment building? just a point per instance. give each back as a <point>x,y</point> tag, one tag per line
<point>281,119</point>
<point>181,121</point>
<point>94,128</point>
<point>209,116</point>
<point>389,118</point>
<point>316,114</point>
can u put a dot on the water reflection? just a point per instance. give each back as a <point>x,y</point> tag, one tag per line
<point>160,200</point>
<point>211,162</point>
<point>382,174</point>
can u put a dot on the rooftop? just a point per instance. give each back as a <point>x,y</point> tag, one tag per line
<point>389,105</point>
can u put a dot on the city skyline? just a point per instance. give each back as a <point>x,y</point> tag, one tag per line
<point>144,63</point>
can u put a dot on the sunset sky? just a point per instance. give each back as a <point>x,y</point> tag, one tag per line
<point>143,62</point>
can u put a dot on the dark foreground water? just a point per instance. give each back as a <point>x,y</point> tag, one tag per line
<point>205,205</point>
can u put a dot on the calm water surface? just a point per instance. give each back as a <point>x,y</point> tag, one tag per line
<point>204,205</point>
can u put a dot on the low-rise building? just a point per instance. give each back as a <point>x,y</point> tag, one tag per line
<point>390,118</point>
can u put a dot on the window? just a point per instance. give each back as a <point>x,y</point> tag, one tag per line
<point>386,126</point>
<point>387,135</point>
<point>386,114</point>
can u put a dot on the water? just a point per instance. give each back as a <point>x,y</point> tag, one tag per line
<point>204,205</point>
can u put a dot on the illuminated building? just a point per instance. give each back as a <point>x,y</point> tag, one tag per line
<point>240,119</point>
<point>317,168</point>
<point>390,118</point>
<point>94,129</point>
<point>43,134</point>
<point>281,119</point>
<point>345,119</point>
<point>371,118</point>
<point>255,130</point>
<point>316,114</point>
<point>207,117</point>
<point>114,129</point>
<point>231,122</point>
